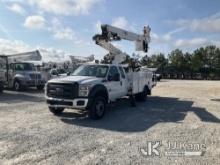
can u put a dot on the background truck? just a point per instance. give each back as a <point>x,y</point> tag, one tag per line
<point>2,74</point>
<point>92,86</point>
<point>19,72</point>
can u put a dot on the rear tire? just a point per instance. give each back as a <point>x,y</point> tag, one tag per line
<point>141,96</point>
<point>56,111</point>
<point>98,108</point>
<point>132,101</point>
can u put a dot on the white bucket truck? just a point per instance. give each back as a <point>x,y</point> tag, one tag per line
<point>92,86</point>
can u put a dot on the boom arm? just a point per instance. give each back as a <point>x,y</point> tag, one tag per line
<point>28,56</point>
<point>110,33</point>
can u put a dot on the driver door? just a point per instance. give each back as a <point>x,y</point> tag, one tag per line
<point>114,86</point>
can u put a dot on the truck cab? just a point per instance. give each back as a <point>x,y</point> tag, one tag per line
<point>90,88</point>
<point>23,74</point>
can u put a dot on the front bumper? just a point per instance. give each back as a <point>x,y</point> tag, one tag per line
<point>77,103</point>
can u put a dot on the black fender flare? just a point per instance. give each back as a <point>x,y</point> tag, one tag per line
<point>18,79</point>
<point>97,90</point>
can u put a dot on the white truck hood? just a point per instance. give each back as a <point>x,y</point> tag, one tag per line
<point>79,79</point>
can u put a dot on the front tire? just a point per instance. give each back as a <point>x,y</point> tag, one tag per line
<point>56,110</point>
<point>17,86</point>
<point>98,108</point>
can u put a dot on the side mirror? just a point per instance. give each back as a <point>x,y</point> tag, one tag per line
<point>116,77</point>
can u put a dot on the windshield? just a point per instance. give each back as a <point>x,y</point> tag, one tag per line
<point>24,67</point>
<point>91,70</point>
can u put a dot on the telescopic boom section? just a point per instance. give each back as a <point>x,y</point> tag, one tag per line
<point>111,33</point>
<point>27,56</point>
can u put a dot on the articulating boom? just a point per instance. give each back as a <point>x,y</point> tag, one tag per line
<point>110,33</point>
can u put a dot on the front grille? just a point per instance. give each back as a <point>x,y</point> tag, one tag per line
<point>62,91</point>
<point>35,76</point>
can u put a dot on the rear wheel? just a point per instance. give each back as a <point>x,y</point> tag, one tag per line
<point>56,110</point>
<point>98,108</point>
<point>141,96</point>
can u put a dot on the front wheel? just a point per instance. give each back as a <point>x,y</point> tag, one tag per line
<point>98,108</point>
<point>56,110</point>
<point>17,86</point>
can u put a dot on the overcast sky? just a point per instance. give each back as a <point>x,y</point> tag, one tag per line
<point>62,27</point>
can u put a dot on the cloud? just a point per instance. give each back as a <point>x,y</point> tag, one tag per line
<point>193,42</point>
<point>60,32</point>
<point>17,8</point>
<point>120,22</point>
<point>17,46</point>
<point>167,37</point>
<point>65,7</point>
<point>54,55</point>
<point>97,26</point>
<point>55,27</point>
<point>35,22</point>
<point>65,33</point>
<point>10,47</point>
<point>167,42</point>
<point>209,24</point>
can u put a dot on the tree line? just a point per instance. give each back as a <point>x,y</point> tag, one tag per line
<point>202,63</point>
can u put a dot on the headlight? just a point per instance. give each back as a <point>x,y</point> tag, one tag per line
<point>84,90</point>
<point>45,89</point>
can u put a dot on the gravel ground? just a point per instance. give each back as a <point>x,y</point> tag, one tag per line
<point>186,113</point>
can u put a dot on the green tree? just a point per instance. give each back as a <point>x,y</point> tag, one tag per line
<point>198,59</point>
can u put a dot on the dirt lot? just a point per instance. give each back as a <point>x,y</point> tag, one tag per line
<point>186,113</point>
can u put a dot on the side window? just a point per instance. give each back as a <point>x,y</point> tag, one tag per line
<point>122,72</point>
<point>113,70</point>
<point>18,67</point>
